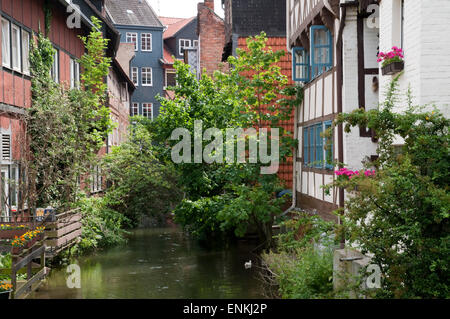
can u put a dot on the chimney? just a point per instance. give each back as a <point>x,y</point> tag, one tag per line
<point>210,4</point>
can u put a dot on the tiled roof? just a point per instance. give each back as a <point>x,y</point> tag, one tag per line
<point>174,25</point>
<point>168,59</point>
<point>132,12</point>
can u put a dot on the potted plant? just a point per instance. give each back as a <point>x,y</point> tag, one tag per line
<point>392,61</point>
<point>5,290</point>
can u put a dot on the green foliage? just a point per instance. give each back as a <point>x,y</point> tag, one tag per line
<point>230,100</point>
<point>65,128</point>
<point>140,183</point>
<point>102,226</point>
<point>302,266</point>
<point>401,215</point>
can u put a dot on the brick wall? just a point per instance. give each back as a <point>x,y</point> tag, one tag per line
<point>211,32</point>
<point>285,171</point>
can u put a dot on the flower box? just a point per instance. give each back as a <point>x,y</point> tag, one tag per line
<point>11,233</point>
<point>393,68</point>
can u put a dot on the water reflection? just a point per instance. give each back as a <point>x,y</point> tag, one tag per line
<point>160,263</point>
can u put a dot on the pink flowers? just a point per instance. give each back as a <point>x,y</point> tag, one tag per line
<point>349,173</point>
<point>396,55</point>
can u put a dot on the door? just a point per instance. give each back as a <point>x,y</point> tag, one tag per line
<point>5,194</point>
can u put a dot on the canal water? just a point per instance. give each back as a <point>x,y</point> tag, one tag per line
<point>160,263</point>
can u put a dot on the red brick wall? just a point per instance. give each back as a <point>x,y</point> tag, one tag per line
<point>286,169</point>
<point>211,31</point>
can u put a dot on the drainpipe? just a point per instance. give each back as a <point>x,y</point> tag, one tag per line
<point>294,172</point>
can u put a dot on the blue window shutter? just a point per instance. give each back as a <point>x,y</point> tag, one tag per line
<point>329,158</point>
<point>321,52</point>
<point>305,146</point>
<point>311,145</point>
<point>300,64</point>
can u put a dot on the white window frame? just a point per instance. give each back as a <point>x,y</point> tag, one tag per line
<point>134,107</point>
<point>145,108</point>
<point>6,43</point>
<point>135,73</point>
<point>145,71</point>
<point>171,71</point>
<point>26,37</point>
<point>129,39</point>
<point>195,43</point>
<point>16,52</point>
<point>55,66</point>
<point>144,44</point>
<point>74,74</point>
<point>186,44</point>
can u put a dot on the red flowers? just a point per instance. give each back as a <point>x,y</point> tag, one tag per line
<point>396,55</point>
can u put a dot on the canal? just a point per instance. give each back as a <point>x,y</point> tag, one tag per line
<point>160,263</point>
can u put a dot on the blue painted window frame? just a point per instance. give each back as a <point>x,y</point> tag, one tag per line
<point>318,161</point>
<point>329,154</point>
<point>295,64</point>
<point>305,147</point>
<point>318,68</point>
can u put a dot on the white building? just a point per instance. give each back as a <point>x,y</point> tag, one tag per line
<point>335,44</point>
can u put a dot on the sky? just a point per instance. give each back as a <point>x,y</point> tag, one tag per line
<point>181,8</point>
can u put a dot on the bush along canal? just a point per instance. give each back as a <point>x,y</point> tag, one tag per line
<point>159,263</point>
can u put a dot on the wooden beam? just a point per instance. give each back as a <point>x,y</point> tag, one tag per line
<point>28,285</point>
<point>27,259</point>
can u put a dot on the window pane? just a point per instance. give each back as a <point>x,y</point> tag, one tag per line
<point>6,58</point>
<point>171,79</point>
<point>15,43</point>
<point>321,37</point>
<point>26,51</point>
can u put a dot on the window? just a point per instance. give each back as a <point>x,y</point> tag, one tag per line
<point>26,52</point>
<point>146,42</point>
<point>147,110</point>
<point>74,74</point>
<point>147,76</point>
<point>15,48</point>
<point>171,78</point>
<point>135,76</point>
<point>134,110</point>
<point>316,152</point>
<point>132,38</point>
<point>184,44</point>
<point>6,44</point>
<point>55,67</point>
<point>300,64</point>
<point>321,50</point>
<point>97,180</point>
<point>195,43</point>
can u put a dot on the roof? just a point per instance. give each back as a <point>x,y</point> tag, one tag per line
<point>132,12</point>
<point>174,25</point>
<point>168,59</point>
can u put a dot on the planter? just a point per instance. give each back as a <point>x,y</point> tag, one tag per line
<point>10,234</point>
<point>4,295</point>
<point>393,68</point>
<point>16,250</point>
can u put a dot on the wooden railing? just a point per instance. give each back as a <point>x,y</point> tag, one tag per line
<point>63,231</point>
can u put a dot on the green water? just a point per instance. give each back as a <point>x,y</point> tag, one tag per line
<point>160,263</point>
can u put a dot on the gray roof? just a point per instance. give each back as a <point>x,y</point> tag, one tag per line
<point>132,12</point>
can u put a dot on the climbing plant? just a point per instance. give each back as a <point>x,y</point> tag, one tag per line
<point>64,127</point>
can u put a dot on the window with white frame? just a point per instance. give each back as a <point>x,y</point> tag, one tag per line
<point>54,71</point>
<point>74,74</point>
<point>133,38</point>
<point>146,76</point>
<point>134,110</point>
<point>195,43</point>
<point>97,180</point>
<point>135,76</point>
<point>146,42</point>
<point>26,51</point>
<point>184,43</point>
<point>6,43</point>
<point>171,78</point>
<point>15,48</point>
<point>147,110</point>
